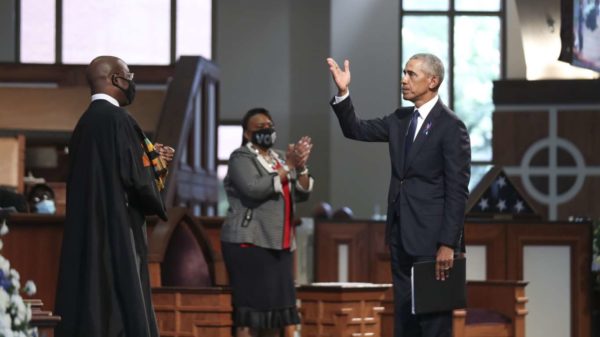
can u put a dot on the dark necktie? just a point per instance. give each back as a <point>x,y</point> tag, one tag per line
<point>410,133</point>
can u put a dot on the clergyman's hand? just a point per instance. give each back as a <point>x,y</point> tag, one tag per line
<point>166,153</point>
<point>340,77</point>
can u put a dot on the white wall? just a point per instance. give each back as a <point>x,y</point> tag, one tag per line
<point>366,33</point>
<point>309,87</point>
<point>252,50</point>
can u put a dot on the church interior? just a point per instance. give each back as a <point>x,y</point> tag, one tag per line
<point>522,74</point>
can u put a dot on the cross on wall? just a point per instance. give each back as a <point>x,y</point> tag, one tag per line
<point>553,171</point>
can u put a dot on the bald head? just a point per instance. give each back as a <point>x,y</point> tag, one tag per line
<point>110,75</point>
<point>100,70</point>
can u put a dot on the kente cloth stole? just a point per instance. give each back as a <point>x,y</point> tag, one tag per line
<point>159,166</point>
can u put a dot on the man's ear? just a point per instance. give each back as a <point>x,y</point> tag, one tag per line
<point>114,80</point>
<point>434,82</point>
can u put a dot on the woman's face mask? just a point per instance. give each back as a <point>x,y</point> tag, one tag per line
<point>264,138</point>
<point>45,206</point>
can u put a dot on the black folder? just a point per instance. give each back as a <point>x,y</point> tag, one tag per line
<point>430,295</point>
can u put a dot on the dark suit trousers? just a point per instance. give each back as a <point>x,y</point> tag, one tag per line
<point>405,323</point>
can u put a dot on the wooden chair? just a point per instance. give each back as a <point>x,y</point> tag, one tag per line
<point>344,213</point>
<point>494,309</point>
<point>322,211</point>
<point>181,262</point>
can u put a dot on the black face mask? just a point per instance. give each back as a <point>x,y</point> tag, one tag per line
<point>264,138</point>
<point>129,92</point>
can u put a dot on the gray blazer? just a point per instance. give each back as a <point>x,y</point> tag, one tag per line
<point>256,202</point>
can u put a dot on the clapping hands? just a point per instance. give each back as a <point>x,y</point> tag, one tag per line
<point>298,153</point>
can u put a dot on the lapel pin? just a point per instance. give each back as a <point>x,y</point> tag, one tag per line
<point>427,128</point>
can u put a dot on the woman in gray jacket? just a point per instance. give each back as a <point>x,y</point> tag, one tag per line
<point>262,187</point>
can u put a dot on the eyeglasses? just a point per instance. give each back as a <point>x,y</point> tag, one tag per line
<point>127,76</point>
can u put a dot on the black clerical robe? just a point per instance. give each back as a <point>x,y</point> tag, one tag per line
<point>104,288</point>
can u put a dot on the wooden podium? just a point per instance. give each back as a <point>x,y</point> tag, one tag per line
<point>193,312</point>
<point>341,309</point>
<point>44,320</point>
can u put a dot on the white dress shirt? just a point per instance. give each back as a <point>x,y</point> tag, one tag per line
<point>424,111</point>
<point>105,97</point>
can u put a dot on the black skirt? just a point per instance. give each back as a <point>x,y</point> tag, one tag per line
<point>262,284</point>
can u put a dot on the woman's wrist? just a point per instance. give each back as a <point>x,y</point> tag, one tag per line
<point>283,172</point>
<point>302,171</point>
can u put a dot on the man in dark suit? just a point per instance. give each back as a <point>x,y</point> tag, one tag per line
<point>430,156</point>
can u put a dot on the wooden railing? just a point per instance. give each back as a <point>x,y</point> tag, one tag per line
<point>188,122</point>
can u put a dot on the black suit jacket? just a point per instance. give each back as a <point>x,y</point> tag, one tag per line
<point>429,188</point>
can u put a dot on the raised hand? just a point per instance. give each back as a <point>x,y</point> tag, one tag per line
<point>340,77</point>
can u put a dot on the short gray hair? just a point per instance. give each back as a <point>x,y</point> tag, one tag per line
<point>432,64</point>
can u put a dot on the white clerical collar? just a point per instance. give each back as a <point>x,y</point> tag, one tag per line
<point>105,97</point>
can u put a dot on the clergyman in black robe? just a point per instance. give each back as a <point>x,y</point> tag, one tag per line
<point>104,287</point>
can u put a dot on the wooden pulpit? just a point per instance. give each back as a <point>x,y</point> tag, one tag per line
<point>42,319</point>
<point>341,309</point>
<point>181,261</point>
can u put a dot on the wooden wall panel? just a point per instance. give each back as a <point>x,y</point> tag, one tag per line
<point>74,75</point>
<point>523,92</point>
<point>579,127</point>
<point>493,237</point>
<point>380,270</point>
<point>509,145</point>
<point>327,239</point>
<point>578,238</point>
<point>59,109</point>
<point>33,246</point>
<point>563,129</point>
<point>562,141</point>
<point>12,165</point>
<point>504,242</point>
